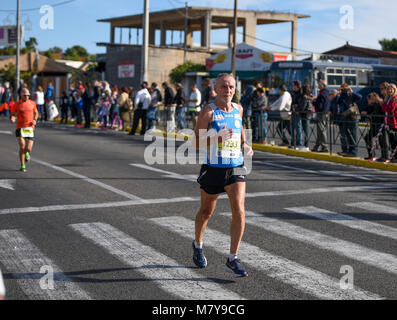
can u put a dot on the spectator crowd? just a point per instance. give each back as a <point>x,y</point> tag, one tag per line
<point>121,108</point>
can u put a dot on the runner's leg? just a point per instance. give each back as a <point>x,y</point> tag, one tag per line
<point>208,204</point>
<point>22,145</point>
<point>236,193</point>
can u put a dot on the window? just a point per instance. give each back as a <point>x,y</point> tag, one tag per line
<point>351,80</point>
<point>334,80</point>
<point>339,71</point>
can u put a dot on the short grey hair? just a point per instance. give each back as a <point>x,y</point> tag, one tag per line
<point>222,76</point>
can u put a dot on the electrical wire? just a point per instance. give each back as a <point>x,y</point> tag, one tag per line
<point>35,9</point>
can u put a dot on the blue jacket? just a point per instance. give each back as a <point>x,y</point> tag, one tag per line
<point>48,94</point>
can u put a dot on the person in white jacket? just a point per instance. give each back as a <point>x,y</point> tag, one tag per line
<point>283,105</point>
<point>142,102</point>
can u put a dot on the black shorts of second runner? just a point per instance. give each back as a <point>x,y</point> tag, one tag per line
<point>18,134</point>
<point>213,180</point>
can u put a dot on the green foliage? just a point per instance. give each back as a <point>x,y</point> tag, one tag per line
<point>9,74</point>
<point>8,51</point>
<point>388,44</point>
<point>177,74</point>
<point>76,53</point>
<point>30,45</point>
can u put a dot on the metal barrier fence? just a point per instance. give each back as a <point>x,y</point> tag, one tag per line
<point>366,136</point>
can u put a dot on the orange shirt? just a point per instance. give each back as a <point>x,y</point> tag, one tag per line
<point>25,113</point>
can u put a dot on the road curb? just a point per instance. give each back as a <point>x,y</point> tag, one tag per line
<point>331,157</point>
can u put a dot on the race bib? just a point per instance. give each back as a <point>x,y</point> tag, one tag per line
<point>231,148</point>
<point>27,132</point>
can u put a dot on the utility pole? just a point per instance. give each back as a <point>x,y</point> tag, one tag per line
<point>184,44</point>
<point>17,78</point>
<point>234,40</point>
<point>145,42</point>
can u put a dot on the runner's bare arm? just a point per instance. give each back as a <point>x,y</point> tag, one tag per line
<point>247,148</point>
<point>13,117</point>
<point>35,116</point>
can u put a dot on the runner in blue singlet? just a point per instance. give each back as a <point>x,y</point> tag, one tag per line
<point>223,169</point>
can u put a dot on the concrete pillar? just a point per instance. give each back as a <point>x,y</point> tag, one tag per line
<point>249,33</point>
<point>230,36</point>
<point>152,34</point>
<point>163,35</point>
<point>111,33</point>
<point>206,31</point>
<point>294,38</point>
<point>189,37</point>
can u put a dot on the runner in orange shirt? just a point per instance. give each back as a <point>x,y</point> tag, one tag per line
<point>25,113</point>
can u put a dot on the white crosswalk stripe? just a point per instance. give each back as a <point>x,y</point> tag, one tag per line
<point>384,261</point>
<point>373,207</point>
<point>170,275</point>
<point>298,276</point>
<point>24,261</point>
<point>348,221</point>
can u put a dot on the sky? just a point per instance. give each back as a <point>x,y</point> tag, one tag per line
<point>329,27</point>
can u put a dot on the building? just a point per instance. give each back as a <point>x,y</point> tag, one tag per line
<point>353,54</point>
<point>123,60</point>
<point>44,69</point>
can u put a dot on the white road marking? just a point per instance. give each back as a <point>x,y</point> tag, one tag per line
<point>8,184</point>
<point>369,206</point>
<point>303,278</point>
<point>319,172</point>
<point>384,261</point>
<point>189,199</point>
<point>348,221</point>
<point>171,276</point>
<point>89,180</point>
<point>24,260</point>
<point>5,132</point>
<point>167,174</point>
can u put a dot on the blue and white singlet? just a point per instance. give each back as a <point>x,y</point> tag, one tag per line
<point>227,154</point>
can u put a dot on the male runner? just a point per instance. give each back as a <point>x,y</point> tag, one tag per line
<point>223,170</point>
<point>25,110</point>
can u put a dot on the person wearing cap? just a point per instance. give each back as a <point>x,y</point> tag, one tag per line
<point>24,112</point>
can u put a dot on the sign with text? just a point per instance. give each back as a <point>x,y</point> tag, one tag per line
<point>126,69</point>
<point>8,35</point>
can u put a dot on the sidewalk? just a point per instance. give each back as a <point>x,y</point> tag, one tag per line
<point>331,157</point>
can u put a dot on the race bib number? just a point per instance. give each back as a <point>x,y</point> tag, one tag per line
<point>27,132</point>
<point>231,148</point>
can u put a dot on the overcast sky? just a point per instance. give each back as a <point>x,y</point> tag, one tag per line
<point>365,22</point>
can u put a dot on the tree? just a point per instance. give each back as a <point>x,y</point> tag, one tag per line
<point>388,45</point>
<point>176,74</point>
<point>77,53</point>
<point>9,74</point>
<point>8,51</point>
<point>30,45</point>
<point>54,53</point>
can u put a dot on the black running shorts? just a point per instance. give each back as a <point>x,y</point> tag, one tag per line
<point>213,179</point>
<point>18,134</point>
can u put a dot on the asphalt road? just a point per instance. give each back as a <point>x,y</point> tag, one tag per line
<point>93,216</point>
